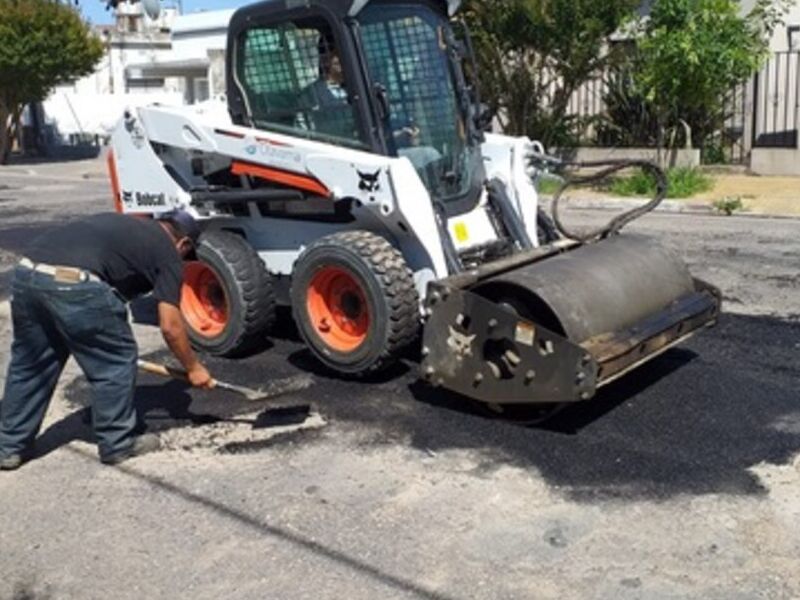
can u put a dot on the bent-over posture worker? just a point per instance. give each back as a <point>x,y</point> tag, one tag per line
<point>70,296</point>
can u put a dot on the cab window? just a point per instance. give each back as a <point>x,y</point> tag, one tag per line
<point>294,82</point>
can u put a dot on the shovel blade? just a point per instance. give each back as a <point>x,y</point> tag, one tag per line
<point>276,388</point>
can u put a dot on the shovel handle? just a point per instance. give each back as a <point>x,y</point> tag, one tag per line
<point>165,371</point>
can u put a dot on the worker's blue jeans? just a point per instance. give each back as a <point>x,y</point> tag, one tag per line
<point>51,322</point>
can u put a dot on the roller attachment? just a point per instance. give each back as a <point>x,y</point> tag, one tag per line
<point>562,324</point>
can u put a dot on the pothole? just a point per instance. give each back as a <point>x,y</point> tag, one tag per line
<point>238,438</point>
<point>204,425</point>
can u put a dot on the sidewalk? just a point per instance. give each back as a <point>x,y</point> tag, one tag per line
<point>762,196</point>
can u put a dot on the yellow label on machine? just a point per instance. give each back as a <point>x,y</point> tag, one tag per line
<point>462,234</point>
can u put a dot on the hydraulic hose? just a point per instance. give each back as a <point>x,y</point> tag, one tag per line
<point>616,224</point>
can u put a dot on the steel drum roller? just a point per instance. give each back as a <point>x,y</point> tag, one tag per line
<point>596,289</point>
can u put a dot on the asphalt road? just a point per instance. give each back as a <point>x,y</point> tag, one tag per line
<point>679,481</point>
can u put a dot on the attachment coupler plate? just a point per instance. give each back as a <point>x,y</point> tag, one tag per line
<point>486,352</point>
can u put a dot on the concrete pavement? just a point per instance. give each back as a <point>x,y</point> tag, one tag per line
<point>681,481</point>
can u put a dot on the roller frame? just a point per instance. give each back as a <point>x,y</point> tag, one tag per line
<point>466,338</point>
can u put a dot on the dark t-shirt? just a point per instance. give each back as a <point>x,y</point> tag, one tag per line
<point>135,256</point>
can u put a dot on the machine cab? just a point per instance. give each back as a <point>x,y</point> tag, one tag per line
<point>379,76</point>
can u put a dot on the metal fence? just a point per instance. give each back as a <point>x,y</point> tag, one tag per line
<point>734,137</point>
<point>762,112</point>
<point>776,92</point>
<point>589,99</point>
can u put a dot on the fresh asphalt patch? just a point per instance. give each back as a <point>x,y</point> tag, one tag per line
<point>694,421</point>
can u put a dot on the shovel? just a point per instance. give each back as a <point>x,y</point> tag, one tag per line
<point>277,388</point>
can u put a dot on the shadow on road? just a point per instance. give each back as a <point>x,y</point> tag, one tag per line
<point>305,361</point>
<point>694,421</point>
<point>160,407</point>
<point>568,419</point>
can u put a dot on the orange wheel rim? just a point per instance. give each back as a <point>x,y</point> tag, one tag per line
<point>338,309</point>
<point>204,303</point>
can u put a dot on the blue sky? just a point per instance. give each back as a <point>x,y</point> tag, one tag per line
<point>95,10</point>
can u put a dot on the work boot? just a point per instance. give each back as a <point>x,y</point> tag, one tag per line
<point>12,462</point>
<point>142,444</point>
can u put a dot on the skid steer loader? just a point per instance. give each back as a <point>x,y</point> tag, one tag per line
<point>348,175</point>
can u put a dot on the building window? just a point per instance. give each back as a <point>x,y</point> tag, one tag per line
<point>794,38</point>
<point>145,84</point>
<point>201,90</point>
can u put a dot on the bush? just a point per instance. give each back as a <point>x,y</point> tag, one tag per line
<point>534,54</point>
<point>42,44</point>
<point>683,183</point>
<point>549,185</point>
<point>629,119</point>
<point>729,205</point>
<point>714,152</point>
<point>687,58</point>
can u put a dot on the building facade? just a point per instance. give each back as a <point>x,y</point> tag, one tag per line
<point>175,59</point>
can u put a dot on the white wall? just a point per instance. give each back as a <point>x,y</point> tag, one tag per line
<point>121,58</point>
<point>193,35</point>
<point>780,41</point>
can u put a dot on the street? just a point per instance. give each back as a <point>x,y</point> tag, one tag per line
<point>681,480</point>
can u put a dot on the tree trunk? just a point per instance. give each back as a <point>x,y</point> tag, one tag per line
<point>5,134</point>
<point>10,130</point>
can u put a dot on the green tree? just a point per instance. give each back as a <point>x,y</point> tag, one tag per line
<point>534,54</point>
<point>690,56</point>
<point>43,43</point>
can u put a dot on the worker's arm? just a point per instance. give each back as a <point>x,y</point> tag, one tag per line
<point>174,331</point>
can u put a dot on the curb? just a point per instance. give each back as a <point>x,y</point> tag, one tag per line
<point>667,207</point>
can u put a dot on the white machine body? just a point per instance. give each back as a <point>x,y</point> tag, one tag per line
<point>155,148</point>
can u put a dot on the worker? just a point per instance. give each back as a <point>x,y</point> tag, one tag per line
<point>70,296</point>
<point>328,90</point>
<point>324,106</point>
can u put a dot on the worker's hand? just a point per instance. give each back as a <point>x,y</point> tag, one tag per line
<point>199,377</point>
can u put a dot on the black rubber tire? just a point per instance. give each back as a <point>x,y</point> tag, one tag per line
<point>389,291</point>
<point>248,290</point>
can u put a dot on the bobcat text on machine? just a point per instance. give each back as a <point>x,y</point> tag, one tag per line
<point>348,175</point>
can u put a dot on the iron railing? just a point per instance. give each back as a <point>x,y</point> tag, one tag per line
<point>761,112</point>
<point>776,114</point>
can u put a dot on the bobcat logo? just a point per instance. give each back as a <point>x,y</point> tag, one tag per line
<point>460,344</point>
<point>369,181</point>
